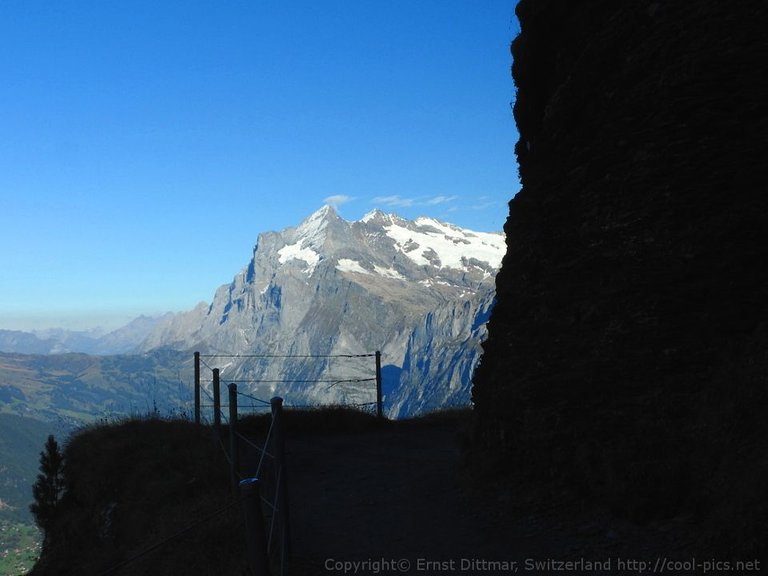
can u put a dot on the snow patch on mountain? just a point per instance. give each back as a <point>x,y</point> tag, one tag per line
<point>434,243</point>
<point>299,251</point>
<point>372,215</point>
<point>389,273</point>
<point>348,265</point>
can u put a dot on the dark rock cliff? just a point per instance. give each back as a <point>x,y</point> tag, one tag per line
<point>626,357</point>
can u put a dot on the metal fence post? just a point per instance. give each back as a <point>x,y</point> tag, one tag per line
<point>278,449</point>
<point>197,387</point>
<point>234,464</point>
<point>250,499</point>
<point>379,401</point>
<point>216,402</point>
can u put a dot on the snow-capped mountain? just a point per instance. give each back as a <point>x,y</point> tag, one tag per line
<point>332,287</point>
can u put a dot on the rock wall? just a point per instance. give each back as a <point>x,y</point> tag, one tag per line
<point>626,352</point>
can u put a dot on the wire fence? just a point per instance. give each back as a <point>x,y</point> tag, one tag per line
<point>265,486</point>
<point>305,391</point>
<point>258,476</point>
<point>258,470</point>
<point>262,491</point>
<point>257,466</point>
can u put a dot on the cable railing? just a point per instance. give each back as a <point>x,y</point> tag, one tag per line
<point>265,485</point>
<point>262,490</point>
<point>328,383</point>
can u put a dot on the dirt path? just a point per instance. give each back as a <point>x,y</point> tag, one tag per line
<point>397,495</point>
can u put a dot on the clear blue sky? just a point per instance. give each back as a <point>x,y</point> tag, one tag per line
<point>145,144</point>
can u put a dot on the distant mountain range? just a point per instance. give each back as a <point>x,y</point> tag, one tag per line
<point>124,340</point>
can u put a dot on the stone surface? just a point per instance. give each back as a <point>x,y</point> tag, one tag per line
<point>626,352</point>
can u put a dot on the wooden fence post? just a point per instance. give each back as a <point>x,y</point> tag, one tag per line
<point>216,402</point>
<point>197,387</point>
<point>278,449</point>
<point>234,464</point>
<point>379,401</point>
<point>250,499</point>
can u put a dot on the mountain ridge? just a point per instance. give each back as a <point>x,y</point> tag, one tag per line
<point>123,340</point>
<point>335,287</point>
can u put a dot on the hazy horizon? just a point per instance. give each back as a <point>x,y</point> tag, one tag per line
<point>86,321</point>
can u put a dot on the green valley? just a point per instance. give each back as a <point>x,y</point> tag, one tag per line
<point>55,394</point>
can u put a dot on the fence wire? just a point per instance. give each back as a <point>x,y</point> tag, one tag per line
<point>270,470</point>
<point>269,477</point>
<point>286,356</point>
<point>348,397</point>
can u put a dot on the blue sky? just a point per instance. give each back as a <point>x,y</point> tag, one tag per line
<point>144,145</point>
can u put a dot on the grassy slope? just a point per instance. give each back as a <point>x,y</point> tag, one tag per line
<point>134,484</point>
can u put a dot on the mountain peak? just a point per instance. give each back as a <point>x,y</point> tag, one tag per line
<point>375,214</point>
<point>306,241</point>
<point>378,216</point>
<point>316,223</point>
<point>324,212</point>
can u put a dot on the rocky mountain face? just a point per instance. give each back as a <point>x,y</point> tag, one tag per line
<point>440,357</point>
<point>331,287</point>
<point>626,355</point>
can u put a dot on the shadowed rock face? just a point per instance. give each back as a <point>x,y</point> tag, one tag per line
<point>627,345</point>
